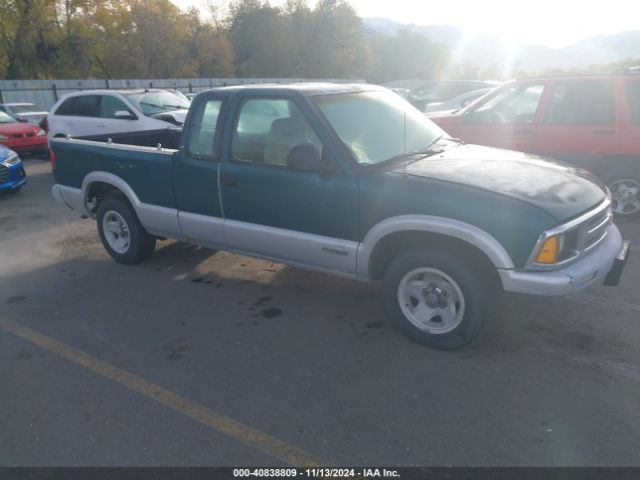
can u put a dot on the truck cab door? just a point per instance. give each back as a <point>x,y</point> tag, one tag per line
<point>307,218</point>
<point>196,171</point>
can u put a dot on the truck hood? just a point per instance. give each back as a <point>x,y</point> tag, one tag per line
<point>561,190</point>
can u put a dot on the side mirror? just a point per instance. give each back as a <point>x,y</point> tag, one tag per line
<point>124,115</point>
<point>305,158</point>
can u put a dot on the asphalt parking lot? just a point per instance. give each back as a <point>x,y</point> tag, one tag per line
<point>208,358</point>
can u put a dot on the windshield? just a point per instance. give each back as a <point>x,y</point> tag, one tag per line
<point>26,108</point>
<point>5,118</point>
<point>152,103</point>
<point>377,126</point>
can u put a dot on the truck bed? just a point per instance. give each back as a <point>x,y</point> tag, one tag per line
<point>134,157</point>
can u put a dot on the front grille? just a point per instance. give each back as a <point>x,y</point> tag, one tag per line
<point>595,229</point>
<point>4,171</point>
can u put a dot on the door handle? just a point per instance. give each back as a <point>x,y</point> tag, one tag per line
<point>102,124</point>
<point>603,132</point>
<point>228,181</point>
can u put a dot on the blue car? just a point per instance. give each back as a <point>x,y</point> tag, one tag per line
<point>12,174</point>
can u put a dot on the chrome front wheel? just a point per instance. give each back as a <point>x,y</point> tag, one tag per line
<point>439,297</point>
<point>431,300</point>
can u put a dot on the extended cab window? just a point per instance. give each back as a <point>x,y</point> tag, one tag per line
<point>110,105</point>
<point>582,103</point>
<point>633,97</point>
<point>268,129</point>
<point>202,130</point>
<point>513,104</point>
<point>80,106</point>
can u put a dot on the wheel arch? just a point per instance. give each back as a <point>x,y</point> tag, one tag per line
<point>157,220</point>
<point>409,231</point>
<point>97,185</point>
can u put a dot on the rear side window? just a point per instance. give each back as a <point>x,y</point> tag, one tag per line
<point>81,106</point>
<point>633,97</point>
<point>202,130</point>
<point>582,103</point>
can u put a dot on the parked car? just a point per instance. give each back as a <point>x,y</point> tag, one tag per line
<point>352,180</point>
<point>97,112</point>
<point>434,91</point>
<point>457,103</point>
<point>591,121</point>
<point>12,174</point>
<point>22,137</point>
<point>24,112</point>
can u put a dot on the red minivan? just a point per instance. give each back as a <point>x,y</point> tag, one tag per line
<point>591,121</point>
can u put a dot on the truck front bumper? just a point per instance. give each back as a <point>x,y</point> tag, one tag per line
<point>605,262</point>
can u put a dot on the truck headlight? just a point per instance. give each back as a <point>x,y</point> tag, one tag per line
<point>41,133</point>
<point>549,252</point>
<point>3,137</point>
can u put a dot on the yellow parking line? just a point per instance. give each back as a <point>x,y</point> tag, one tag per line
<point>265,443</point>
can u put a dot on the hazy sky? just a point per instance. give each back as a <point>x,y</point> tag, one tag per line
<point>548,22</point>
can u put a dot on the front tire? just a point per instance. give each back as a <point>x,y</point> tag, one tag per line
<point>121,233</point>
<point>438,299</point>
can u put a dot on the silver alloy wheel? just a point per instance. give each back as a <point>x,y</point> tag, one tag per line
<point>116,231</point>
<point>431,300</point>
<point>625,196</point>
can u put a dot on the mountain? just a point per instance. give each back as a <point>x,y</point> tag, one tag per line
<point>486,51</point>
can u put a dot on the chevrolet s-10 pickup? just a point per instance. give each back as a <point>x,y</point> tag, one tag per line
<point>350,180</point>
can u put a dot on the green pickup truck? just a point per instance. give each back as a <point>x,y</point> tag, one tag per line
<point>350,180</point>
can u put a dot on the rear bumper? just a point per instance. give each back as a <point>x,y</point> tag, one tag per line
<point>591,269</point>
<point>71,197</point>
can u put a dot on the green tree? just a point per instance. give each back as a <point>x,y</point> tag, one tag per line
<point>408,55</point>
<point>262,39</point>
<point>29,41</point>
<point>329,40</point>
<point>209,51</point>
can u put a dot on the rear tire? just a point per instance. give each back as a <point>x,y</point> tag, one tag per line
<point>437,298</point>
<point>121,233</point>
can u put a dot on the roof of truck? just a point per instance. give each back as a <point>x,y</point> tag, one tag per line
<point>304,88</point>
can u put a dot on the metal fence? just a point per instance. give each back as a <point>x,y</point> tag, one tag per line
<point>46,92</point>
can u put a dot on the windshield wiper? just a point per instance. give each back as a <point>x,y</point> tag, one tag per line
<point>412,156</point>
